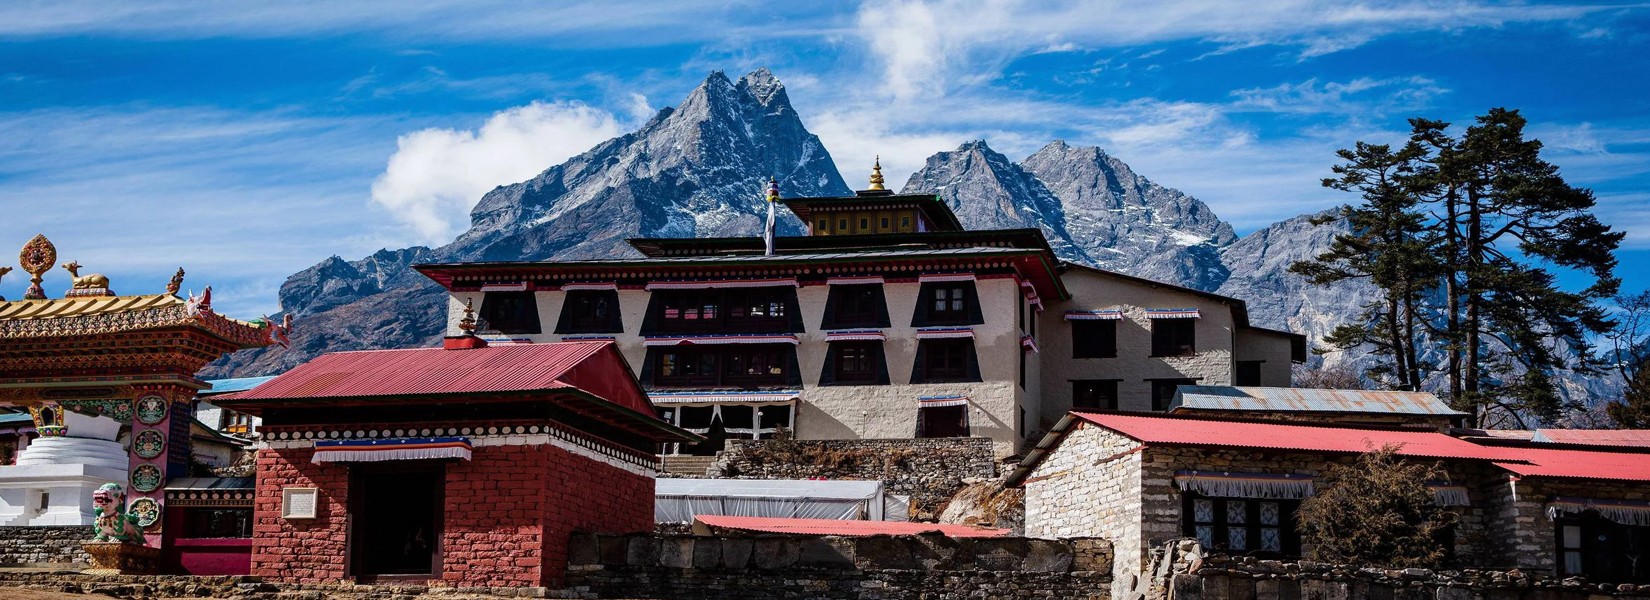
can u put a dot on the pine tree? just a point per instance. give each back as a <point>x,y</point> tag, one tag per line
<point>1378,511</point>
<point>1629,355</point>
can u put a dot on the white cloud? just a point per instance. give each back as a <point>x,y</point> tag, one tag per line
<point>1360,95</point>
<point>436,175</point>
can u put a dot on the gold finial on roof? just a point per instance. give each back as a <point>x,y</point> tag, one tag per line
<point>37,257</point>
<point>468,323</point>
<point>876,174</point>
<point>176,283</point>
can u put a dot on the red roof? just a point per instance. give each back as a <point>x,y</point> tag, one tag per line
<point>1595,437</point>
<point>1582,464</point>
<point>591,376</point>
<point>1152,429</point>
<point>844,528</point>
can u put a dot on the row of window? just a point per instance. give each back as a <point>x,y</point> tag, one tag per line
<point>846,363</point>
<point>739,310</point>
<point>1098,338</point>
<point>1102,393</point>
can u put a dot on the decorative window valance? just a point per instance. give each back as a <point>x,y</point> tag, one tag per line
<point>865,280</point>
<point>944,277</point>
<point>588,338</point>
<point>375,450</point>
<point>751,398</point>
<point>1094,315</point>
<point>939,401</point>
<point>721,284</point>
<point>590,286</point>
<point>519,286</point>
<point>1172,313</point>
<point>935,333</point>
<point>1028,343</point>
<point>693,340</point>
<point>1626,512</point>
<point>867,335</point>
<point>1447,494</point>
<point>1245,485</point>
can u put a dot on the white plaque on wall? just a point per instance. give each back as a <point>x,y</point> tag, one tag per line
<point>299,503</point>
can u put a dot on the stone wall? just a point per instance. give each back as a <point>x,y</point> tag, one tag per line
<point>1524,532</point>
<point>1090,487</point>
<point>1221,578</point>
<point>762,567</point>
<point>26,546</point>
<point>930,471</point>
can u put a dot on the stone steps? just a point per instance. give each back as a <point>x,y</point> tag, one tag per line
<point>686,466</point>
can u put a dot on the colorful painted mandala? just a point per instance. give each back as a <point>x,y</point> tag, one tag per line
<point>151,409</point>
<point>149,444</point>
<point>146,510</point>
<point>146,478</point>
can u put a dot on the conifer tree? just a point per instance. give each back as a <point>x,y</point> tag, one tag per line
<point>1629,355</point>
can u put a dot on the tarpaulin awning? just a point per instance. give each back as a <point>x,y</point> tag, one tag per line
<point>1446,494</point>
<point>779,397</point>
<point>865,280</point>
<point>1286,486</point>
<point>516,286</point>
<point>589,286</point>
<point>944,277</point>
<point>936,333</point>
<point>376,450</point>
<point>842,528</point>
<point>1094,315</point>
<point>1626,512</point>
<point>855,336</point>
<point>691,340</point>
<point>938,401</point>
<point>1172,313</point>
<point>681,500</point>
<point>721,284</point>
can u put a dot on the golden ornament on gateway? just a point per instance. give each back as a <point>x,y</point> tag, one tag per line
<point>37,257</point>
<point>94,284</point>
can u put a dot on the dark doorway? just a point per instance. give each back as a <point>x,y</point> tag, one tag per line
<point>396,520</point>
<point>942,421</point>
<point>1603,550</point>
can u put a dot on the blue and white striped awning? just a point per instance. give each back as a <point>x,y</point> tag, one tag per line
<point>938,401</point>
<point>858,335</point>
<point>945,277</point>
<point>1172,313</point>
<point>694,340</point>
<point>708,284</point>
<point>515,286</point>
<point>774,397</point>
<point>1110,314</point>
<point>860,280</point>
<point>376,450</point>
<point>936,333</point>
<point>1245,485</point>
<point>589,286</point>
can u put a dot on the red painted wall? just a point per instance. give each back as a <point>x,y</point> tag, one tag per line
<point>508,514</point>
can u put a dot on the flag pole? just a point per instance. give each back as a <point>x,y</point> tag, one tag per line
<point>773,199</point>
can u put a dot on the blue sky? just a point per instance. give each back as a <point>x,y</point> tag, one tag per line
<point>247,142</point>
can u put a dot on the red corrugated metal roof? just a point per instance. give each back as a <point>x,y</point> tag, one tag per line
<point>437,371</point>
<point>1276,436</point>
<point>1595,437</point>
<point>844,528</point>
<point>1582,464</point>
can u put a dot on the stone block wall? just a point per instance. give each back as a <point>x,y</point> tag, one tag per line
<point>1220,578</point>
<point>1524,533</point>
<point>930,471</point>
<point>763,567</point>
<point>57,544</point>
<point>1090,487</point>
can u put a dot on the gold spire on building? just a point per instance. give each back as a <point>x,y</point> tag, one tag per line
<point>37,257</point>
<point>876,174</point>
<point>468,323</point>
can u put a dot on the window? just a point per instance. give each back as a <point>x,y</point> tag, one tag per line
<point>739,310</point>
<point>509,312</point>
<point>1601,549</point>
<point>947,303</point>
<point>864,224</point>
<point>1094,339</point>
<point>824,226</point>
<point>905,223</point>
<point>1023,352</point>
<point>1173,337</point>
<point>851,306</point>
<point>1094,393</point>
<point>1241,526</point>
<point>741,365</point>
<point>217,523</point>
<point>842,226</point>
<point>854,363</point>
<point>942,421</point>
<point>1248,372</point>
<point>590,311</point>
<point>1163,391</point>
<point>945,360</point>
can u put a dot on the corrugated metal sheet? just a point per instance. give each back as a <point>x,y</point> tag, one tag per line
<point>1151,429</point>
<point>239,384</point>
<point>1639,438</point>
<point>844,528</point>
<point>429,371</point>
<point>1206,397</point>
<point>1579,464</point>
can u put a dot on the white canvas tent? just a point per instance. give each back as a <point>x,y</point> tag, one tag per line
<point>680,500</point>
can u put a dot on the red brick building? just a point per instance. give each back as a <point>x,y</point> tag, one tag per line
<point>464,466</point>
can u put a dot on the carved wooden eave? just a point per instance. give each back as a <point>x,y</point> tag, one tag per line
<point>115,337</point>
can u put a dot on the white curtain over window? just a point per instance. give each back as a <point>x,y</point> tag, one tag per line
<point>1245,485</point>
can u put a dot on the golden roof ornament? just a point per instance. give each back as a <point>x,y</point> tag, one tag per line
<point>876,174</point>
<point>37,257</point>
<point>3,272</point>
<point>94,284</point>
<point>468,323</point>
<point>176,283</point>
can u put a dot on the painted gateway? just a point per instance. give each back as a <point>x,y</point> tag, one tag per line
<point>888,320</point>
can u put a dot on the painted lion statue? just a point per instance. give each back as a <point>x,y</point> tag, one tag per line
<point>113,523</point>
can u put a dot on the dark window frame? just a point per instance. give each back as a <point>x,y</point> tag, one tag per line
<point>1242,375</point>
<point>1288,524</point>
<point>937,414</point>
<point>510,313</point>
<point>1161,402</point>
<point>723,310</point>
<point>580,312</point>
<point>1093,338</point>
<point>1595,554</point>
<point>1174,337</point>
<point>717,365</point>
<point>840,353</point>
<point>1105,393</point>
<point>946,360</point>
<point>962,304</point>
<point>853,306</point>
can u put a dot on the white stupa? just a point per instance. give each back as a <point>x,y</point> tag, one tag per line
<point>53,480</point>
